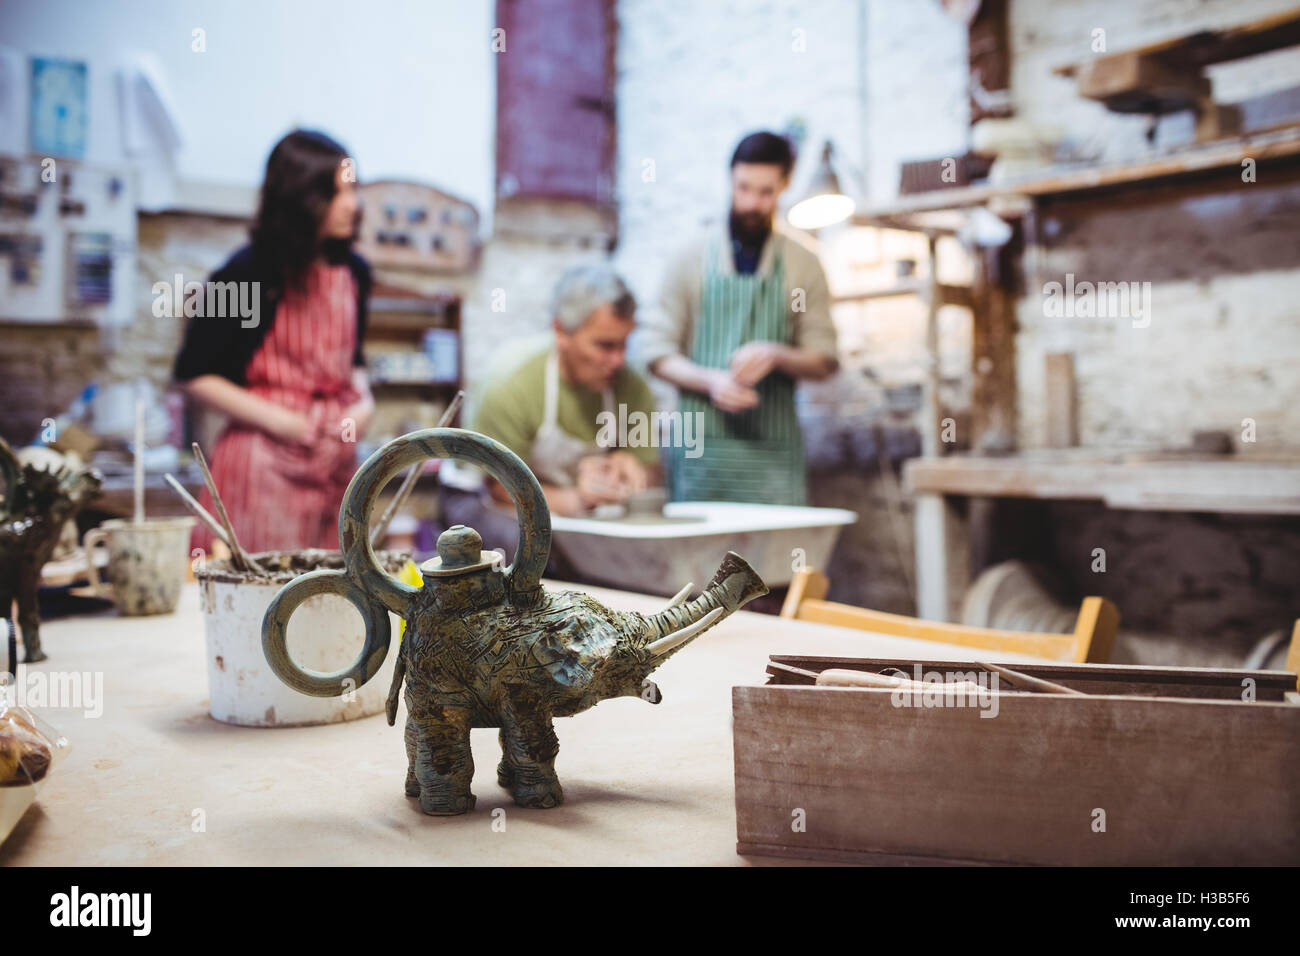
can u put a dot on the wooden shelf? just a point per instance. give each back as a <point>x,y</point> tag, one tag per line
<point>1154,482</point>
<point>1170,76</point>
<point>117,494</point>
<point>431,306</point>
<point>400,319</point>
<point>1208,47</point>
<point>409,317</point>
<point>68,571</point>
<point>911,212</point>
<point>412,383</point>
<point>948,294</point>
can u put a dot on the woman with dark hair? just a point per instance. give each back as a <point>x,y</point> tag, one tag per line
<point>290,378</point>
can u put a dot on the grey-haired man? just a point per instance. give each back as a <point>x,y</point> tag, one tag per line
<point>551,402</point>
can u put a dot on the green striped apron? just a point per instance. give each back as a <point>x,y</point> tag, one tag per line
<point>755,455</point>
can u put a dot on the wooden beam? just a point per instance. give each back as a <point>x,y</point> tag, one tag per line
<point>942,557</point>
<point>931,406</point>
<point>1061,400</point>
<point>1293,653</point>
<point>948,294</point>
<point>993,350</point>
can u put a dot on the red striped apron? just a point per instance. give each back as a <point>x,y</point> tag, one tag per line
<point>281,496</point>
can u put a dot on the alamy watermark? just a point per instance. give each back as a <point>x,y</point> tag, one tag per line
<point>213,300</point>
<point>638,429</point>
<point>1098,300</point>
<point>948,689</point>
<point>129,910</point>
<point>58,690</point>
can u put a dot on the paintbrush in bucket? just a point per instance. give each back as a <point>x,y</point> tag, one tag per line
<point>238,555</point>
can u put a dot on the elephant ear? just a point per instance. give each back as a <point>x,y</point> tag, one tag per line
<point>577,641</point>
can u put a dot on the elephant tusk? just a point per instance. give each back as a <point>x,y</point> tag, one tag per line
<point>676,639</point>
<point>680,596</point>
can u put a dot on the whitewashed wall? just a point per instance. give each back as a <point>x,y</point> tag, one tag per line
<point>693,78</point>
<point>410,85</point>
<point>1222,345</point>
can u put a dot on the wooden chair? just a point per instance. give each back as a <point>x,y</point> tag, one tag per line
<point>1091,642</point>
<point>1292,656</point>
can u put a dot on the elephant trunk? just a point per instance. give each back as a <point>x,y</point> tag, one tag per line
<point>735,584</point>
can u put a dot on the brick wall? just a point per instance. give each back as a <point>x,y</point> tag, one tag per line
<point>1221,343</point>
<point>42,370</point>
<point>1224,269</point>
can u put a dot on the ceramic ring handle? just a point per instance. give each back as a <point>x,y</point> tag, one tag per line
<point>524,575</point>
<point>275,631</point>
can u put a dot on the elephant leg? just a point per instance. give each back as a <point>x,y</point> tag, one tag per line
<point>505,773</point>
<point>29,618</point>
<point>411,735</point>
<point>529,747</point>
<point>6,610</point>
<point>444,766</point>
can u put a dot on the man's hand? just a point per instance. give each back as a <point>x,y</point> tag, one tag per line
<point>752,362</point>
<point>728,394</point>
<point>362,411</point>
<point>295,428</point>
<point>598,482</point>
<point>630,475</point>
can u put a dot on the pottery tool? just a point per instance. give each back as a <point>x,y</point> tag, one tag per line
<point>139,460</point>
<point>408,483</point>
<point>237,553</point>
<point>776,669</point>
<point>199,511</point>
<point>844,677</point>
<point>1032,683</point>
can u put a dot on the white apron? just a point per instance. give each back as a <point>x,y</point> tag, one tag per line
<point>555,453</point>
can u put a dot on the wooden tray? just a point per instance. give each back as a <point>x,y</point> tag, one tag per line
<point>1172,762</point>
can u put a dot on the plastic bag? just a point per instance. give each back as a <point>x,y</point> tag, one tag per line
<point>29,749</point>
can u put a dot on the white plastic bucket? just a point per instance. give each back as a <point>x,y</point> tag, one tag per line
<point>325,634</point>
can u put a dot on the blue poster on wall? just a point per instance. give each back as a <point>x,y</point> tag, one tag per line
<point>58,119</point>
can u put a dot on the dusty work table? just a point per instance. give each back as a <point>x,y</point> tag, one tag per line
<point>644,784</point>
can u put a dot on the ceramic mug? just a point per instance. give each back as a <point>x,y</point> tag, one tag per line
<point>147,562</point>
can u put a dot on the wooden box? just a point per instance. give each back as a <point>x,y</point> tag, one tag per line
<point>1154,766</point>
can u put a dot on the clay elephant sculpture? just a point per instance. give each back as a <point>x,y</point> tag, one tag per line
<point>486,645</point>
<point>35,506</point>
